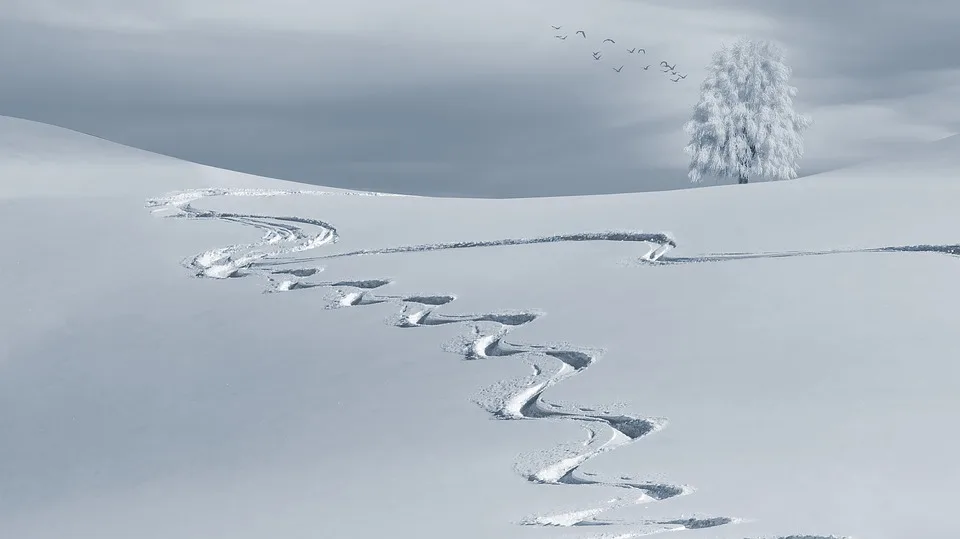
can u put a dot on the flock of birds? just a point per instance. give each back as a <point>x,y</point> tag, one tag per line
<point>665,66</point>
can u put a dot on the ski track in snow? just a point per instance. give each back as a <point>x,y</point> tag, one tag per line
<point>948,250</point>
<point>518,399</point>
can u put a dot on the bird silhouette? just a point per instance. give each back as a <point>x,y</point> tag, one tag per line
<point>646,67</point>
<point>631,51</point>
<point>668,66</point>
<point>681,76</point>
<point>597,56</point>
<point>644,51</point>
<point>582,33</point>
<point>556,27</point>
<point>561,37</point>
<point>676,79</point>
<point>610,40</point>
<point>617,69</point>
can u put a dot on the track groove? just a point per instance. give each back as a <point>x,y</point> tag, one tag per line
<point>519,399</point>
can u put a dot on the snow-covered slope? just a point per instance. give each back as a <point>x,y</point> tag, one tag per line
<point>471,368</point>
<point>38,159</point>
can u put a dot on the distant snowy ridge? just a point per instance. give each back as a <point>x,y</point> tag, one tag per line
<point>518,399</point>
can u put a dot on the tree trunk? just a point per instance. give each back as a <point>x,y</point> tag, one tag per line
<point>743,179</point>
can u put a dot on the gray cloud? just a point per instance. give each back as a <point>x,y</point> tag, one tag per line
<point>866,38</point>
<point>332,110</point>
<point>892,42</point>
<point>420,97</point>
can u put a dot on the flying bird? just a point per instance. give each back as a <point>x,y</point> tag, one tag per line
<point>561,37</point>
<point>597,56</point>
<point>631,51</point>
<point>676,79</point>
<point>556,27</point>
<point>617,69</point>
<point>582,33</point>
<point>681,76</point>
<point>646,67</point>
<point>610,40</point>
<point>668,66</point>
<point>644,51</point>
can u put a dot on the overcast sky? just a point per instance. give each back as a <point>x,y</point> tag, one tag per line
<point>465,98</point>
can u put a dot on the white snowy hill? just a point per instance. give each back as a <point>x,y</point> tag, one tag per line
<point>189,352</point>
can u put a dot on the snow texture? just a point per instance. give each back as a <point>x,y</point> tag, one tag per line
<point>301,384</point>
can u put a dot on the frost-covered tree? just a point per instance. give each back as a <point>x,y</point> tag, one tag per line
<point>744,124</point>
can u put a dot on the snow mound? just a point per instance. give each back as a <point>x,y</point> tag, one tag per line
<point>792,318</point>
<point>42,160</point>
